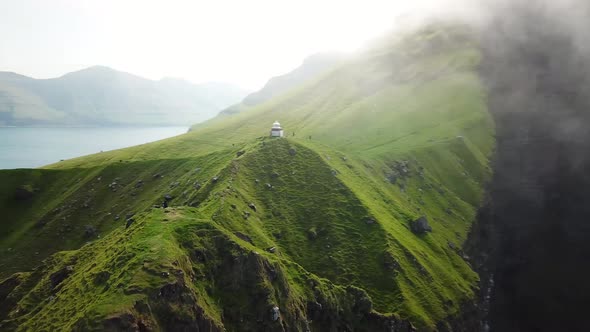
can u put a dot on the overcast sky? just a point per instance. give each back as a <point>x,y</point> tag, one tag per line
<point>243,42</point>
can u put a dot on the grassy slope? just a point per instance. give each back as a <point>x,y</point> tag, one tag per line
<point>414,111</point>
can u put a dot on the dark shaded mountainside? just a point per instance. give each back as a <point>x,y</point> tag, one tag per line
<point>101,96</point>
<point>356,221</point>
<point>531,243</point>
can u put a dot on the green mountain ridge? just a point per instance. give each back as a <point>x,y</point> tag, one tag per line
<point>318,225</point>
<point>102,96</point>
<point>312,67</point>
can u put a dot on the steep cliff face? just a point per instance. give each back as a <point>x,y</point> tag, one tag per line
<point>530,244</point>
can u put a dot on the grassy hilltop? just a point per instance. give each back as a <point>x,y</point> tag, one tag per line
<point>317,224</point>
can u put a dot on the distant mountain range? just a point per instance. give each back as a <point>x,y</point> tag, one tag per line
<point>103,96</point>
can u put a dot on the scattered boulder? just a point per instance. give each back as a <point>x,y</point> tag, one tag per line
<point>174,184</point>
<point>314,310</point>
<point>139,184</point>
<point>130,221</point>
<point>271,250</point>
<point>168,197</point>
<point>215,179</point>
<point>244,237</point>
<point>268,185</point>
<point>292,151</point>
<point>197,185</point>
<point>398,171</point>
<point>392,177</point>
<point>41,223</point>
<point>246,215</point>
<point>334,172</point>
<point>240,153</point>
<point>113,186</point>
<point>362,301</point>
<point>101,277</point>
<point>172,292</point>
<point>199,255</point>
<point>420,226</point>
<point>120,322</point>
<point>158,176</point>
<point>252,206</point>
<point>233,206</point>
<point>89,231</point>
<point>312,233</point>
<point>370,221</point>
<point>57,277</point>
<point>275,313</point>
<point>389,262</point>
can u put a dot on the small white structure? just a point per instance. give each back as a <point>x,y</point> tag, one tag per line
<point>276,130</point>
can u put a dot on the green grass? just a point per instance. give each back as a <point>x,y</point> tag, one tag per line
<point>418,103</point>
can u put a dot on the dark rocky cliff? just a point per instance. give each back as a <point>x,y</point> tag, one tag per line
<point>531,244</point>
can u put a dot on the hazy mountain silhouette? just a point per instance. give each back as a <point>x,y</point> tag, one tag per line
<point>103,96</point>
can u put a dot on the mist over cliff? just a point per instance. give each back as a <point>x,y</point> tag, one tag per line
<point>531,240</point>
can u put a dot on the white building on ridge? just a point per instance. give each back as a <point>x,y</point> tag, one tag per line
<point>276,130</point>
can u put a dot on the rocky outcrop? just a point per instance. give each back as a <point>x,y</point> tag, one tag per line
<point>60,275</point>
<point>420,226</point>
<point>7,286</point>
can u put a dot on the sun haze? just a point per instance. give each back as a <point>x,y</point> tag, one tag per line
<point>241,42</point>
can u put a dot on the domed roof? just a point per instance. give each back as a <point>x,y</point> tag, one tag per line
<point>276,124</point>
